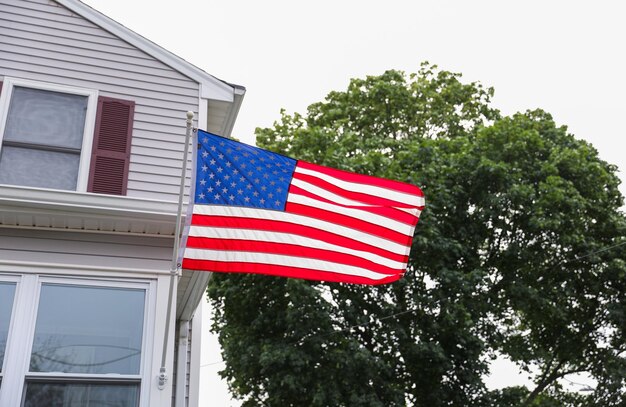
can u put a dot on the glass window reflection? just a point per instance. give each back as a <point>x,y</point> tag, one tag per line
<point>84,329</point>
<point>81,394</point>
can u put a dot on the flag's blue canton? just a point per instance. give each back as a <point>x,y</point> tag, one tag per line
<point>233,173</point>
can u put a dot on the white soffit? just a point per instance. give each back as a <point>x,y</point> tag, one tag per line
<point>41,208</point>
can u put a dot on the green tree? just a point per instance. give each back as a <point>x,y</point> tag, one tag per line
<point>520,252</point>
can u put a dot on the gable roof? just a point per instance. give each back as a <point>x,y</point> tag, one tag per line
<point>210,86</point>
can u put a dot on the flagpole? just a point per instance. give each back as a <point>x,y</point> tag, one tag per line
<point>175,266</point>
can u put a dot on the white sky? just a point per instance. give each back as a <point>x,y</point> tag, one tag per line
<point>564,56</point>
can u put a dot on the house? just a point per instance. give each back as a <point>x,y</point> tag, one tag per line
<point>92,133</point>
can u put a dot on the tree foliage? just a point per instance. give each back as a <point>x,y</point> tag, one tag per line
<point>520,252</point>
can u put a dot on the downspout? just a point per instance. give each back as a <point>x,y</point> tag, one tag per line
<point>181,368</point>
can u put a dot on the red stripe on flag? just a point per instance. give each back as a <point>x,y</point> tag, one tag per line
<point>386,211</point>
<point>282,271</point>
<point>363,179</point>
<point>349,221</point>
<point>293,229</point>
<point>289,250</point>
<point>354,196</point>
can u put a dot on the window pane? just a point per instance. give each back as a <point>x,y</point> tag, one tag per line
<point>37,168</point>
<point>81,394</point>
<point>7,292</point>
<point>46,117</point>
<point>88,330</point>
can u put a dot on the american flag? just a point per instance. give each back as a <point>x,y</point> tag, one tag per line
<point>255,211</point>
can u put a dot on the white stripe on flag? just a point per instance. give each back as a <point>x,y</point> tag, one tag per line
<point>281,260</point>
<point>323,193</point>
<point>266,214</point>
<point>286,238</point>
<point>373,218</point>
<point>369,189</point>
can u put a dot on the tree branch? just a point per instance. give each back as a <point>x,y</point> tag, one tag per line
<point>548,379</point>
<point>544,382</point>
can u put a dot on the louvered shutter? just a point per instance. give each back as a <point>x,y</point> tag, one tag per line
<point>111,146</point>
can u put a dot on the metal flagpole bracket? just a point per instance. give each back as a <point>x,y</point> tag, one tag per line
<point>162,378</point>
<point>175,269</point>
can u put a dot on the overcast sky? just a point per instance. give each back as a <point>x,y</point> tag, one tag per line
<point>566,57</point>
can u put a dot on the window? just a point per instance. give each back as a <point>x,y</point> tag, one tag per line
<point>64,138</point>
<point>74,342</point>
<point>7,293</point>
<point>46,135</point>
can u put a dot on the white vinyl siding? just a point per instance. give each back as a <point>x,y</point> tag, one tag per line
<point>43,41</point>
<point>85,249</point>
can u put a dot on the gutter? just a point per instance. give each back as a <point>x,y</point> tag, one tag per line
<point>238,94</point>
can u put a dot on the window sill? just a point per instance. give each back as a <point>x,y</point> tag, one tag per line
<point>45,208</point>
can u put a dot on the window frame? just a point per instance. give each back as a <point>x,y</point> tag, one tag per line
<point>90,118</point>
<point>22,325</point>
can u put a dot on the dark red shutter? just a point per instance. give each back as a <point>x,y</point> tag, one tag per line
<point>111,146</point>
